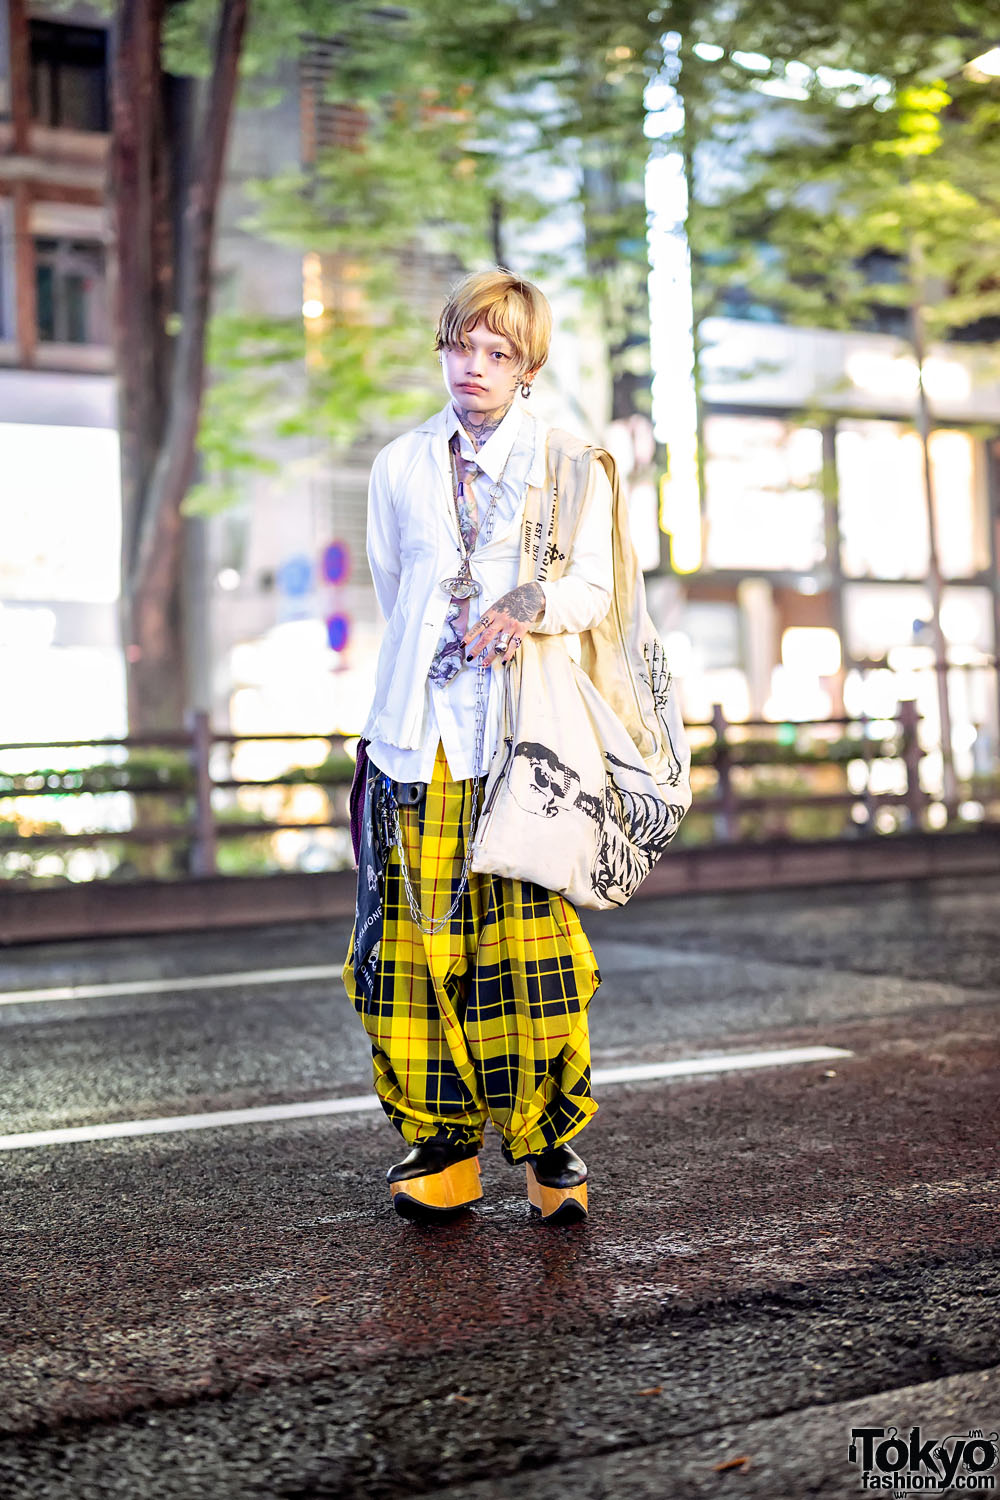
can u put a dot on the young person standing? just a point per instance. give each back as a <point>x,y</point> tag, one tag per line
<point>473,988</point>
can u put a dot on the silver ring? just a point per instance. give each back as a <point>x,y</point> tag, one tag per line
<point>501,642</point>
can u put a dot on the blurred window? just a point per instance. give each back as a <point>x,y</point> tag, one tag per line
<point>61,513</point>
<point>763,496</point>
<point>890,624</point>
<point>895,619</point>
<point>878,617</point>
<point>713,628</point>
<point>960,503</point>
<point>884,268</point>
<point>883,519</point>
<point>69,84</point>
<point>883,514</point>
<point>71,291</point>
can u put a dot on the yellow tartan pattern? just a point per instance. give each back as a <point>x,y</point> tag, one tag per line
<point>486,1019</point>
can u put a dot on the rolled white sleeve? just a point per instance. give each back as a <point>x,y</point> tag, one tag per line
<point>382,536</point>
<point>581,598</point>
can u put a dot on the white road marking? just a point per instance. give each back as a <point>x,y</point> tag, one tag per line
<point>723,1062</point>
<point>620,954</point>
<point>167,985</point>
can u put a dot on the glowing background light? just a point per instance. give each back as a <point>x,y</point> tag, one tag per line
<point>946,379</point>
<point>313,305</point>
<point>61,512</point>
<point>671,333</point>
<point>896,375</point>
<point>987,64</point>
<point>754,62</point>
<point>811,648</point>
<point>882,374</point>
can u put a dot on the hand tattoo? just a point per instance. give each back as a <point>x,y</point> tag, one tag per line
<point>512,615</point>
<point>524,604</point>
<point>481,425</point>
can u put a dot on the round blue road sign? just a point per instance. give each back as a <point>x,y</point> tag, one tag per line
<point>338,628</point>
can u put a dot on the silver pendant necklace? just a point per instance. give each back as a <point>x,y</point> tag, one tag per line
<point>463,585</point>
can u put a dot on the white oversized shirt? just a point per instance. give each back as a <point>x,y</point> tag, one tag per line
<point>413,543</point>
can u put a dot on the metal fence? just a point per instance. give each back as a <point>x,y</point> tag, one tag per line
<point>820,764</point>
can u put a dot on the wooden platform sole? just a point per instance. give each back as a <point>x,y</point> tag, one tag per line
<point>438,1192</point>
<point>561,1205</point>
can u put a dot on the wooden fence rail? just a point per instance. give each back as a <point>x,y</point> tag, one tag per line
<point>191,777</point>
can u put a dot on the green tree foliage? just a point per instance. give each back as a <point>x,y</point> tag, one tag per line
<point>482,122</point>
<point>805,168</point>
<point>410,185</point>
<point>478,125</point>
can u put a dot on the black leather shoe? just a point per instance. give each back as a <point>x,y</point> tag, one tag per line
<point>428,1157</point>
<point>557,1184</point>
<point>559,1167</point>
<point>434,1179</point>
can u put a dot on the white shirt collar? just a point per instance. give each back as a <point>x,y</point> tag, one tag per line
<point>437,425</point>
<point>532,430</point>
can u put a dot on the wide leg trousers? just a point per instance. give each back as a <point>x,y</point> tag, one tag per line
<point>485,1020</point>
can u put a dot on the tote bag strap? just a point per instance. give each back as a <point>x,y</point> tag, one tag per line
<point>550,514</point>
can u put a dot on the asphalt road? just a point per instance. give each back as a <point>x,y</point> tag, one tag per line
<point>775,1254</point>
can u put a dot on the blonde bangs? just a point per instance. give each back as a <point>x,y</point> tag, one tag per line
<point>508,306</point>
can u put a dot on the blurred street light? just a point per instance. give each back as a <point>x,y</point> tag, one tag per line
<point>985,66</point>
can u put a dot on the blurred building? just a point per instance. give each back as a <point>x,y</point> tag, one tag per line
<point>794,586</point>
<point>805,565</point>
<point>799,551</point>
<point>291,629</point>
<point>59,498</point>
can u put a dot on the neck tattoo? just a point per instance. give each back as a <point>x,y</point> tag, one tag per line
<point>481,425</point>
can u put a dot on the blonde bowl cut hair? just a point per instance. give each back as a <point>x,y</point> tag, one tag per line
<point>508,305</point>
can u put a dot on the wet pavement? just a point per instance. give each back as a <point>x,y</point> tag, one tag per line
<point>774,1255</point>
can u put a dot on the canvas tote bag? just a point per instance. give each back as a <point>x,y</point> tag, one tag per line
<point>570,801</point>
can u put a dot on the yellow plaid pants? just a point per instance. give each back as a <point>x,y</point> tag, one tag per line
<point>485,1020</point>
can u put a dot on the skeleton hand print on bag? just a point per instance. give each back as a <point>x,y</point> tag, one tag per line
<point>660,683</point>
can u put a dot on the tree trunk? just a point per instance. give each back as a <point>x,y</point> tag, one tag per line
<point>164,270</point>
<point>165,177</point>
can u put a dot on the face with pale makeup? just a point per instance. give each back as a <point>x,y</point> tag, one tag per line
<point>482,373</point>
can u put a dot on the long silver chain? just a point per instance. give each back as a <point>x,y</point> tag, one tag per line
<point>425,924</point>
<point>486,530</point>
